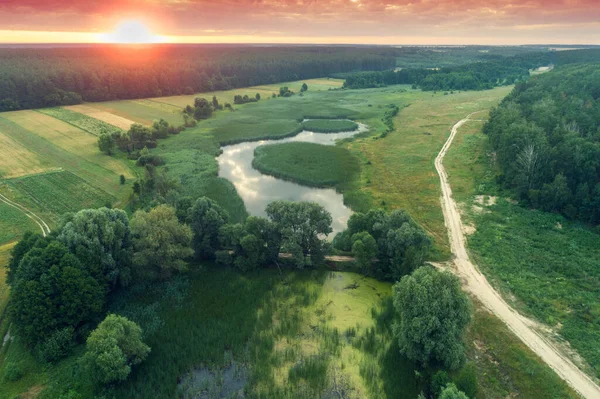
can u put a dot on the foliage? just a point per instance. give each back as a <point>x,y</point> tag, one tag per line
<point>452,392</point>
<point>70,75</point>
<point>239,99</point>
<point>52,290</point>
<point>546,135</point>
<point>329,125</point>
<point>433,314</point>
<point>57,346</point>
<point>402,244</point>
<point>303,88</point>
<point>472,76</point>
<point>205,218</point>
<point>364,248</point>
<point>12,372</point>
<point>101,239</point>
<point>251,245</point>
<point>106,144</point>
<point>285,91</point>
<point>160,242</point>
<point>302,226</point>
<point>114,347</point>
<point>308,164</point>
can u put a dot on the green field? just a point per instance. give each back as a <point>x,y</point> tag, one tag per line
<point>14,223</point>
<point>329,125</point>
<point>60,192</point>
<point>84,122</point>
<point>309,164</point>
<point>545,265</point>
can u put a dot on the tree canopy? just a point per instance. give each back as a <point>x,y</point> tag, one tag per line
<point>433,313</point>
<point>114,347</point>
<point>205,218</point>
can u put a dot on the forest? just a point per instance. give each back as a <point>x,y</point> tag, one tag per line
<point>46,77</point>
<point>546,136</point>
<point>479,75</point>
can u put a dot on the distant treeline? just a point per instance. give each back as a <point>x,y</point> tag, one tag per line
<point>33,78</point>
<point>473,76</point>
<point>546,136</point>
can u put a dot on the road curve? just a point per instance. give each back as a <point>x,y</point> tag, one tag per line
<point>38,220</point>
<point>476,283</point>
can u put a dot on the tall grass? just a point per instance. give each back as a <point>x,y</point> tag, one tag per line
<point>329,125</point>
<point>309,164</point>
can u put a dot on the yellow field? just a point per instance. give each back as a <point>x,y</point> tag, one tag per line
<point>68,138</point>
<point>16,160</point>
<point>115,120</point>
<point>265,91</point>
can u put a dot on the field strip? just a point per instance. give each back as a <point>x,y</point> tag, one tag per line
<point>40,222</point>
<point>104,116</point>
<point>478,286</point>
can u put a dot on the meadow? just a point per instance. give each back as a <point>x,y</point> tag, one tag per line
<point>545,265</point>
<point>309,164</point>
<point>329,125</point>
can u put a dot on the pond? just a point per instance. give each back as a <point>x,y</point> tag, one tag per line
<point>258,190</point>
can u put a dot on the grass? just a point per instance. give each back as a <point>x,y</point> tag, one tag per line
<point>14,223</point>
<point>102,116</point>
<point>61,192</point>
<point>82,121</point>
<point>329,125</point>
<point>17,160</point>
<point>138,111</point>
<point>309,164</point>
<point>4,290</point>
<point>544,265</point>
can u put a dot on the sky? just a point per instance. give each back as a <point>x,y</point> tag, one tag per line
<point>401,22</point>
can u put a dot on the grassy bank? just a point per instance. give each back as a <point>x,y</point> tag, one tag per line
<point>309,164</point>
<point>329,125</point>
<point>544,265</point>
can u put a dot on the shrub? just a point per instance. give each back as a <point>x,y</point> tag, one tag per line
<point>57,346</point>
<point>12,371</point>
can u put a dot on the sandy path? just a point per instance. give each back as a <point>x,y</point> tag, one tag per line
<point>40,222</point>
<point>474,281</point>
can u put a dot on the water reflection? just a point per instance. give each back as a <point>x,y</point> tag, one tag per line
<point>258,190</point>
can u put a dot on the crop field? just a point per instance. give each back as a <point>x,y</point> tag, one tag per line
<point>74,117</point>
<point>60,192</point>
<point>265,91</point>
<point>18,160</point>
<point>100,116</point>
<point>545,265</point>
<point>139,111</point>
<point>307,163</point>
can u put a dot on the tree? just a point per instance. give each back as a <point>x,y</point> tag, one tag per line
<point>205,218</point>
<point>106,144</point>
<point>101,239</point>
<point>251,245</point>
<point>215,103</point>
<point>452,392</point>
<point>139,135</point>
<point>364,248</point>
<point>257,96</point>
<point>114,347</point>
<point>202,109</point>
<point>160,129</point>
<point>304,88</point>
<point>303,227</point>
<point>402,244</point>
<point>433,314</point>
<point>160,242</point>
<point>52,290</point>
<point>122,179</point>
<point>29,241</point>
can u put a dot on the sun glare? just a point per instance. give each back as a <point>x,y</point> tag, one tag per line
<point>131,32</point>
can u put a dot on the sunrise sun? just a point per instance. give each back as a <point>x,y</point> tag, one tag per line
<point>131,32</point>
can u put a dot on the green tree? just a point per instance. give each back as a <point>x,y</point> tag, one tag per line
<point>304,88</point>
<point>364,248</point>
<point>215,103</point>
<point>114,347</point>
<point>139,136</point>
<point>251,245</point>
<point>101,239</point>
<point>433,313</point>
<point>452,392</point>
<point>160,129</point>
<point>122,179</point>
<point>26,243</point>
<point>106,144</point>
<point>52,290</point>
<point>202,109</point>
<point>160,242</point>
<point>257,97</point>
<point>303,227</point>
<point>205,218</point>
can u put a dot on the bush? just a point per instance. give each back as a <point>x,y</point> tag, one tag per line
<point>12,371</point>
<point>57,346</point>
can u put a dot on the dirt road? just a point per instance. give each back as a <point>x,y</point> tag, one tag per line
<point>40,222</point>
<point>475,282</point>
